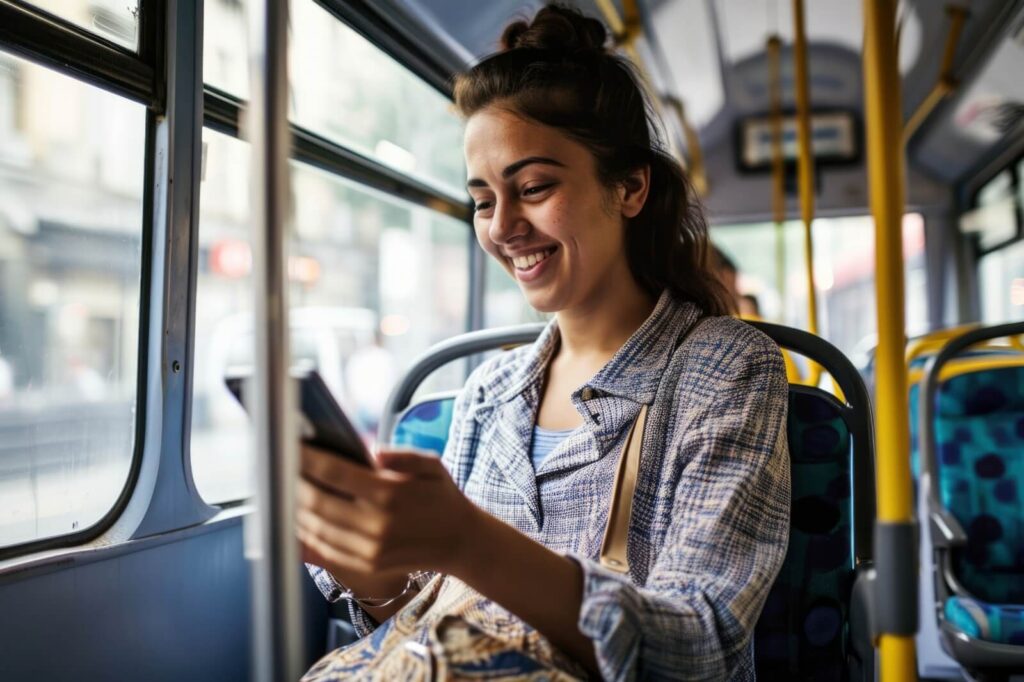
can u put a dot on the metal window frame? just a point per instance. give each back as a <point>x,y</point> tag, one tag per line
<point>141,76</point>
<point>74,52</point>
<point>223,112</point>
<point>69,49</point>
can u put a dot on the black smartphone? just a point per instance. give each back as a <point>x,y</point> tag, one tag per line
<point>323,423</point>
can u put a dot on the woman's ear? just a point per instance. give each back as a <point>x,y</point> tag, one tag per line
<point>634,191</point>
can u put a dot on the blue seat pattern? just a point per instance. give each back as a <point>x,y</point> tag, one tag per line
<point>979,430</point>
<point>1002,623</point>
<point>425,425</point>
<point>802,633</point>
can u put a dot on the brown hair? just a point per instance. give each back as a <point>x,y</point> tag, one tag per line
<point>556,71</point>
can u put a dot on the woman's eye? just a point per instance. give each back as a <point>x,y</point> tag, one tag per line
<point>482,206</point>
<point>536,189</point>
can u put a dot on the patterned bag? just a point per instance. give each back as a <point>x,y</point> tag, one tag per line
<point>448,632</point>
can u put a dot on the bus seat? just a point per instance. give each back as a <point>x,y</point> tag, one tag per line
<point>972,459</point>
<point>805,630</point>
<point>425,424</point>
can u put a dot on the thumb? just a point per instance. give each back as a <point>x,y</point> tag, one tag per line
<point>410,462</point>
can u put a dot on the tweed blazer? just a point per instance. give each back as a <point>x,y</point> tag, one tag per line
<point>710,518</point>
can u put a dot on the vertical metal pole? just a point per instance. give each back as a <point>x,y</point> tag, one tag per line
<point>271,543</point>
<point>806,168</point>
<point>895,547</point>
<point>774,48</point>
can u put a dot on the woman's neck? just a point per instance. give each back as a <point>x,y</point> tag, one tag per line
<point>599,327</point>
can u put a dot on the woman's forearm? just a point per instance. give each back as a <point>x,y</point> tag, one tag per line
<point>540,586</point>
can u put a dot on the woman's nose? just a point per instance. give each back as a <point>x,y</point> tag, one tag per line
<point>507,223</point>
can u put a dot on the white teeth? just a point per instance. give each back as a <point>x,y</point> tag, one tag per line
<point>527,262</point>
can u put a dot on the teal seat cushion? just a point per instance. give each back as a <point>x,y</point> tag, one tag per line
<point>802,632</point>
<point>979,430</point>
<point>425,425</point>
<point>1003,624</point>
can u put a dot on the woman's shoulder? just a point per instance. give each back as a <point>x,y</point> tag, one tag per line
<point>725,349</point>
<point>733,336</point>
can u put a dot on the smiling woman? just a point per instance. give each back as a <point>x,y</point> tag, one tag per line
<point>526,561</point>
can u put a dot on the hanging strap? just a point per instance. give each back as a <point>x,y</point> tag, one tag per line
<point>616,533</point>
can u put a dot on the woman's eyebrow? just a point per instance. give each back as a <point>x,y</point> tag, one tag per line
<point>514,168</point>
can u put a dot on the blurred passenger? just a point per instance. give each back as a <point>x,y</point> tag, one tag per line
<point>750,309</point>
<point>727,273</point>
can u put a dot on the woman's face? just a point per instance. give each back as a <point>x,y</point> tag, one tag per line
<point>542,213</point>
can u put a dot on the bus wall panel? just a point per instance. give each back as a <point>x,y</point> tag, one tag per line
<point>172,611</point>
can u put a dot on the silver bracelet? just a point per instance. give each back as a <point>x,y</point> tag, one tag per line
<point>379,602</point>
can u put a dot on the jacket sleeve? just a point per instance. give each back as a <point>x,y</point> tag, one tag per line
<point>727,537</point>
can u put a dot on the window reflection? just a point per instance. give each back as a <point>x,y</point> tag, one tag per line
<point>345,88</point>
<point>71,169</point>
<point>844,266</point>
<point>374,282</point>
<point>115,20</point>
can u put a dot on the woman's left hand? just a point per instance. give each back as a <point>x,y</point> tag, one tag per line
<point>406,515</point>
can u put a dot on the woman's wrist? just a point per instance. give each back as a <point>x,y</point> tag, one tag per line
<point>471,552</point>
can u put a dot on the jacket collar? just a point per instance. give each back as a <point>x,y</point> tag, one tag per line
<point>634,372</point>
<point>608,403</point>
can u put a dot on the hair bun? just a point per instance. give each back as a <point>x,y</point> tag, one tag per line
<point>556,28</point>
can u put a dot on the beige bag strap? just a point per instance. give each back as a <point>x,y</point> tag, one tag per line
<point>613,549</point>
<point>616,533</point>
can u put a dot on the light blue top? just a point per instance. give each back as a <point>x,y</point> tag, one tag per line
<point>544,441</point>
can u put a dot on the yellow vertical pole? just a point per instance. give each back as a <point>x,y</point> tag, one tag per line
<point>806,169</point>
<point>774,48</point>
<point>894,527</point>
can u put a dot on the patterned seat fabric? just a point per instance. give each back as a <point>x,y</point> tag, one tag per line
<point>1000,623</point>
<point>425,425</point>
<point>802,632</point>
<point>979,430</point>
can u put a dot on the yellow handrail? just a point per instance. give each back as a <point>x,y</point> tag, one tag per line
<point>946,83</point>
<point>774,48</point>
<point>806,171</point>
<point>960,366</point>
<point>892,437</point>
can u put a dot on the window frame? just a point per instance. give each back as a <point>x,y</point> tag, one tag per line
<point>141,76</point>
<point>74,52</point>
<point>222,112</point>
<point>1013,168</point>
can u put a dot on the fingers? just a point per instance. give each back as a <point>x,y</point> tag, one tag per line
<point>355,514</point>
<point>325,555</point>
<point>415,462</point>
<point>347,478</point>
<point>342,539</point>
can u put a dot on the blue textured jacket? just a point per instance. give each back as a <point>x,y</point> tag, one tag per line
<point>710,516</point>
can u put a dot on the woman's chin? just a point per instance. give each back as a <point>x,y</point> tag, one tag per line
<point>543,301</point>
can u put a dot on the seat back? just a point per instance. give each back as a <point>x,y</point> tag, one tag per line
<point>978,430</point>
<point>425,424</point>
<point>804,630</point>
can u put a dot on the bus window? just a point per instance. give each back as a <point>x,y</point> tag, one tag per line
<point>346,89</point>
<point>115,20</point>
<point>374,282</point>
<point>844,268</point>
<point>1001,284</point>
<point>71,225</point>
